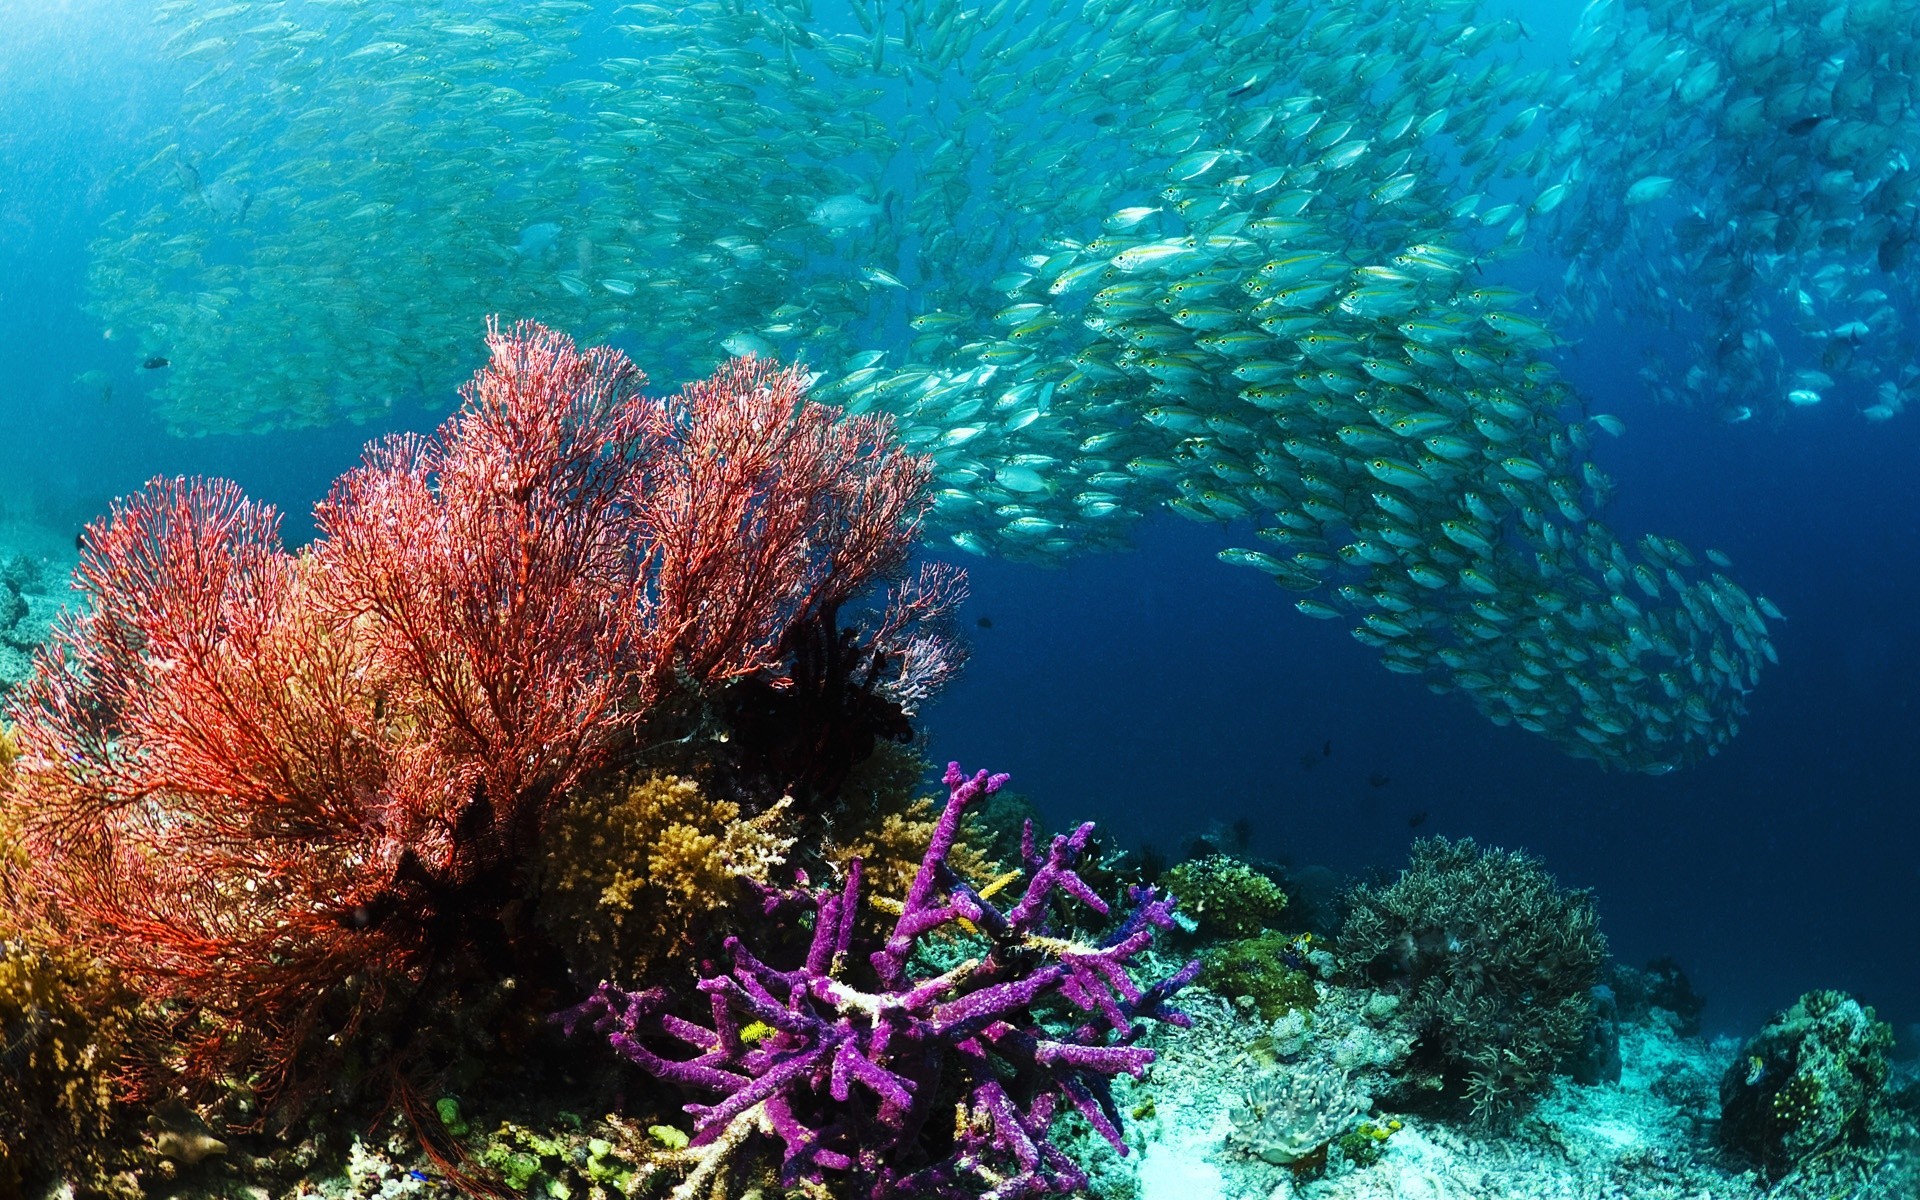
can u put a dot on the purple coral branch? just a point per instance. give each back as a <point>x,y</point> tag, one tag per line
<point>864,1066</point>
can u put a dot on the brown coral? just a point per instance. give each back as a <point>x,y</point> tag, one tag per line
<point>885,818</point>
<point>62,1026</point>
<point>630,870</point>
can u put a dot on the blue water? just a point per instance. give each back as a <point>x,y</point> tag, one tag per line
<point>1160,692</point>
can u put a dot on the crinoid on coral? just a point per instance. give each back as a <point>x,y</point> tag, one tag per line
<point>292,799</point>
<point>1495,963</point>
<point>848,1065</point>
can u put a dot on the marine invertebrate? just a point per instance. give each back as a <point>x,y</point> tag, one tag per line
<point>1366,1142</point>
<point>1258,967</point>
<point>1811,1083</point>
<point>249,776</point>
<point>849,1078</point>
<point>1225,897</point>
<point>1495,964</point>
<point>1288,1116</point>
<point>63,1024</point>
<point>632,871</point>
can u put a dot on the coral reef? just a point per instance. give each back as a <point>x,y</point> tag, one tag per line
<point>291,798</point>
<point>1496,966</point>
<point>28,607</point>
<point>1811,1084</point>
<point>1226,897</point>
<point>885,816</point>
<point>632,872</point>
<point>847,1078</point>
<point>1661,984</point>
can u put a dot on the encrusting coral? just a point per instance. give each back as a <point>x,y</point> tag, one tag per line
<point>1495,964</point>
<point>1268,969</point>
<point>1225,897</point>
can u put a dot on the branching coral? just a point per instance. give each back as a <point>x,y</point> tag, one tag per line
<point>1495,962</point>
<point>631,871</point>
<point>850,1080</point>
<point>282,793</point>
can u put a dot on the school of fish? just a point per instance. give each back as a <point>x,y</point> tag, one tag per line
<point>1742,172</point>
<point>1240,260</point>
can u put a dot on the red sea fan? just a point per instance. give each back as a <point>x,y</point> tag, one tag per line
<point>279,792</point>
<point>769,515</point>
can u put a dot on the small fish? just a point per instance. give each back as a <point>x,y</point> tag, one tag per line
<point>1127,218</point>
<point>1646,191</point>
<point>155,363</point>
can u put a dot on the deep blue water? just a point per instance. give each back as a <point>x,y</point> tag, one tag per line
<point>1160,692</point>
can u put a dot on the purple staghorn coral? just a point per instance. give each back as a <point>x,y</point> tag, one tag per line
<point>848,1080</point>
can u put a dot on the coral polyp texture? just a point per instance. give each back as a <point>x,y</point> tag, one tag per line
<point>854,1070</point>
<point>284,793</point>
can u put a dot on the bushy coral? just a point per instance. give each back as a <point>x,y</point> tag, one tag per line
<point>1226,897</point>
<point>62,1027</point>
<point>885,816</point>
<point>852,1080</point>
<point>631,872</point>
<point>1495,964</point>
<point>1811,1084</point>
<point>1268,969</point>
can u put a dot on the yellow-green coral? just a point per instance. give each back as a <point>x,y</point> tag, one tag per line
<point>1364,1145</point>
<point>1257,967</point>
<point>890,851</point>
<point>62,1027</point>
<point>1226,898</point>
<point>631,870</point>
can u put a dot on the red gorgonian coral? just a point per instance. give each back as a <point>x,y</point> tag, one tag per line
<point>278,791</point>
